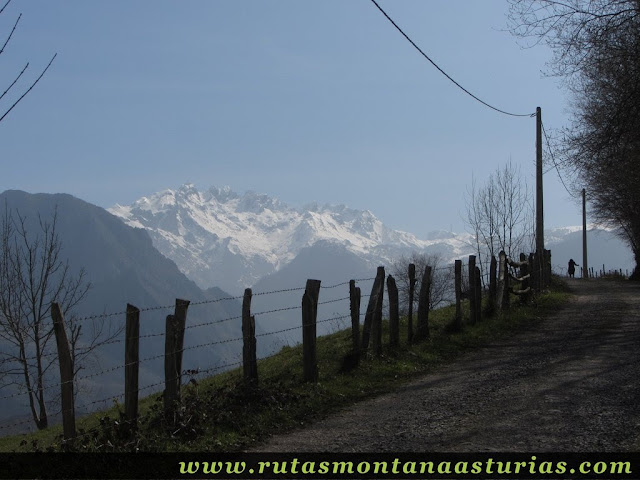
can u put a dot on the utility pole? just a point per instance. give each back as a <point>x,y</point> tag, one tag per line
<point>585,265</point>
<point>539,203</point>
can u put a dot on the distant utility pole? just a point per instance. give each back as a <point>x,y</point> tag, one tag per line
<point>539,213</point>
<point>585,265</point>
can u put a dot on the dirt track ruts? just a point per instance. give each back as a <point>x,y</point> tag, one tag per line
<point>569,383</point>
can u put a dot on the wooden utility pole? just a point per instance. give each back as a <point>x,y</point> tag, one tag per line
<point>539,204</point>
<point>585,265</point>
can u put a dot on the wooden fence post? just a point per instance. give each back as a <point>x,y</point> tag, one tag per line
<point>527,270</point>
<point>66,373</point>
<point>309,317</point>
<point>354,307</point>
<point>478,295</point>
<point>173,346</point>
<point>457,322</point>
<point>369,315</point>
<point>394,313</point>
<point>547,268</point>
<point>376,326</point>
<point>412,289</point>
<point>472,289</point>
<point>170,368</point>
<point>502,274</point>
<point>181,316</point>
<point>249,357</point>
<point>422,328</point>
<point>491,305</point>
<point>131,365</point>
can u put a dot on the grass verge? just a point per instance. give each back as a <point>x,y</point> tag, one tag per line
<point>220,413</point>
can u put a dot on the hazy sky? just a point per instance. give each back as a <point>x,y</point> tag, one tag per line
<point>308,101</point>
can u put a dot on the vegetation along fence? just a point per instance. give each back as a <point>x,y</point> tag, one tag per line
<point>523,278</point>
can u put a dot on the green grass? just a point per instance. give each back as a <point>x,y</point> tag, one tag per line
<point>221,414</point>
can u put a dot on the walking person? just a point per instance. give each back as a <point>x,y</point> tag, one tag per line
<point>572,268</point>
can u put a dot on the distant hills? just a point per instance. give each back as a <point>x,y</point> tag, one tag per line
<point>200,245</point>
<point>124,267</point>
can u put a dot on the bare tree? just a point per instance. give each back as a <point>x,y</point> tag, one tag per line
<point>16,79</point>
<point>596,46</point>
<point>500,215</point>
<point>33,275</point>
<point>441,279</point>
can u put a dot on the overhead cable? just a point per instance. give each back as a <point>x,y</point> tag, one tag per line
<point>445,73</point>
<point>555,164</point>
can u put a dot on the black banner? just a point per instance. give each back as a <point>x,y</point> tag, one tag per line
<point>320,465</point>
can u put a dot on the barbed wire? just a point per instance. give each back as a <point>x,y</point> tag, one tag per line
<point>336,285</point>
<point>284,290</point>
<point>15,424</point>
<point>334,300</point>
<point>38,391</point>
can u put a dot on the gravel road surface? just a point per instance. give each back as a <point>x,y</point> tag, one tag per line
<point>570,383</point>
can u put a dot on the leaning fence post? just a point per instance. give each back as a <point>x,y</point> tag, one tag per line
<point>422,328</point>
<point>354,307</point>
<point>472,289</point>
<point>309,317</point>
<point>131,364</point>
<point>457,322</point>
<point>371,308</point>
<point>394,313</point>
<point>412,288</point>
<point>249,360</point>
<point>66,373</point>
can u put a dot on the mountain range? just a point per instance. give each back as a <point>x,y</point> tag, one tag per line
<point>209,246</point>
<point>224,239</point>
<point>221,238</point>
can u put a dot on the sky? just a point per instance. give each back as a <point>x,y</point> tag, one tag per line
<point>307,101</point>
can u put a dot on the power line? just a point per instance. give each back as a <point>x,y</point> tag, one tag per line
<point>555,164</point>
<point>445,73</point>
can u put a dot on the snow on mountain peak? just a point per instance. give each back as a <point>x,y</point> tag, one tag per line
<point>220,238</point>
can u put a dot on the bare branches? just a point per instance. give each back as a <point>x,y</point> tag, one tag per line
<point>440,292</point>
<point>29,89</point>
<point>569,27</point>
<point>596,47</point>
<point>17,78</point>
<point>33,274</point>
<point>500,214</point>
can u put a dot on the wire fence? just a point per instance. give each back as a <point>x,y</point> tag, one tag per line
<point>210,341</point>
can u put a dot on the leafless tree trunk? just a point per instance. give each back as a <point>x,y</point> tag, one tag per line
<point>33,274</point>
<point>500,215</point>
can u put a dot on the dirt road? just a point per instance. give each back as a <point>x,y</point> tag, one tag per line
<point>571,383</point>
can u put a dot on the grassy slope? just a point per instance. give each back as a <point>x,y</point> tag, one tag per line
<point>220,414</point>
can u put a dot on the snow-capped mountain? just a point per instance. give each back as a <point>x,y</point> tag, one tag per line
<point>221,238</point>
